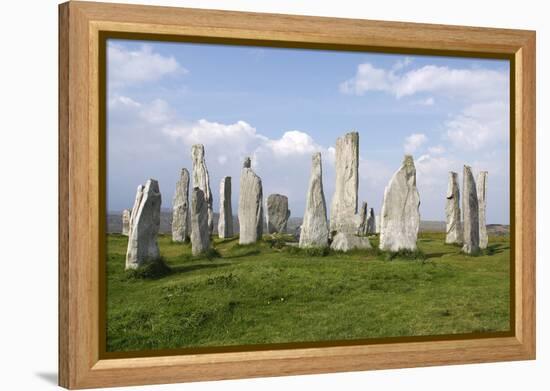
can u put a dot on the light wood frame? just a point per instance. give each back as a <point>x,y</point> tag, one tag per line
<point>80,203</point>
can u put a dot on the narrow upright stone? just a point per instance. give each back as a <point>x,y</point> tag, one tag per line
<point>452,211</point>
<point>314,230</point>
<point>180,209</point>
<point>250,205</point>
<point>225,222</point>
<point>371,222</point>
<point>200,233</point>
<point>144,226</point>
<point>470,210</point>
<point>277,213</point>
<point>363,217</point>
<point>344,202</point>
<point>482,203</point>
<point>201,179</point>
<point>126,221</point>
<point>400,216</point>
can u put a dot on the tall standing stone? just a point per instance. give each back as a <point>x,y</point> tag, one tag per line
<point>470,209</point>
<point>452,211</point>
<point>363,217</point>
<point>225,222</point>
<point>250,205</point>
<point>371,222</point>
<point>180,209</point>
<point>377,224</point>
<point>200,232</point>
<point>201,179</point>
<point>277,213</point>
<point>482,203</point>
<point>400,216</point>
<point>144,226</point>
<point>344,202</point>
<point>126,221</point>
<point>314,230</point>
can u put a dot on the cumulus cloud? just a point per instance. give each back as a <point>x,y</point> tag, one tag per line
<point>126,66</point>
<point>414,141</point>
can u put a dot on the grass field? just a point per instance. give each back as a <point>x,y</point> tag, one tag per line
<point>261,293</point>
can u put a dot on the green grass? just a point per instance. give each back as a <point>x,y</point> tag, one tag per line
<point>272,293</point>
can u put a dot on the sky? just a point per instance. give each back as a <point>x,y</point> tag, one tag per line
<point>279,106</point>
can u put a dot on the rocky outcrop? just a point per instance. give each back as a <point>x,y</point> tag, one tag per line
<point>225,221</point>
<point>180,209</point>
<point>200,232</point>
<point>250,205</point>
<point>470,210</point>
<point>452,211</point>
<point>400,216</point>
<point>277,213</point>
<point>482,204</point>
<point>314,231</point>
<point>144,226</point>
<point>201,179</point>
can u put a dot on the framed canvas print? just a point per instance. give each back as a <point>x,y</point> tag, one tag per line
<point>247,195</point>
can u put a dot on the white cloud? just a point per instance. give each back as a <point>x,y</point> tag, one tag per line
<point>294,142</point>
<point>464,83</point>
<point>136,66</point>
<point>414,141</point>
<point>157,112</point>
<point>436,150</point>
<point>120,101</point>
<point>430,101</point>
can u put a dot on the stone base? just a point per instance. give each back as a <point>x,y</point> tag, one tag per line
<point>346,242</point>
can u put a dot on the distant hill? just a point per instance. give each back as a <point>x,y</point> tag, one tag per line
<point>114,224</point>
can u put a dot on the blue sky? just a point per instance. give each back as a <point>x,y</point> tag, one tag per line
<point>281,105</point>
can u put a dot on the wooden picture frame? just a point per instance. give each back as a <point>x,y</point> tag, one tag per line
<point>81,25</point>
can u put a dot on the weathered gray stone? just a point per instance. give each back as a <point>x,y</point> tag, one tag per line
<point>144,226</point>
<point>277,213</point>
<point>482,204</point>
<point>126,221</point>
<point>200,232</point>
<point>470,210</point>
<point>377,222</point>
<point>345,242</point>
<point>250,205</point>
<point>371,222</point>
<point>344,202</point>
<point>452,211</point>
<point>314,230</point>
<point>180,209</point>
<point>400,216</point>
<point>363,217</point>
<point>201,179</point>
<point>225,221</point>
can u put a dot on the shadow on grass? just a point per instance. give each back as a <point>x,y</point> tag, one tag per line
<point>190,268</point>
<point>242,255</point>
<point>435,255</point>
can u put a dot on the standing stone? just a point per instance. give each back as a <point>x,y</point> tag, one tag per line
<point>377,222</point>
<point>470,209</point>
<point>200,232</point>
<point>363,217</point>
<point>250,205</point>
<point>225,222</point>
<point>400,216</point>
<point>452,211</point>
<point>314,229</point>
<point>180,209</point>
<point>277,213</point>
<point>344,201</point>
<point>144,226</point>
<point>482,203</point>
<point>126,221</point>
<point>371,222</point>
<point>201,179</point>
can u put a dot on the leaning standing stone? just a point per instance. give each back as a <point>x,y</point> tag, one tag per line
<point>225,222</point>
<point>250,205</point>
<point>452,211</point>
<point>482,202</point>
<point>144,226</point>
<point>201,179</point>
<point>470,209</point>
<point>277,213</point>
<point>400,216</point>
<point>314,228</point>
<point>180,209</point>
<point>344,202</point>
<point>125,222</point>
<point>363,217</point>
<point>200,233</point>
